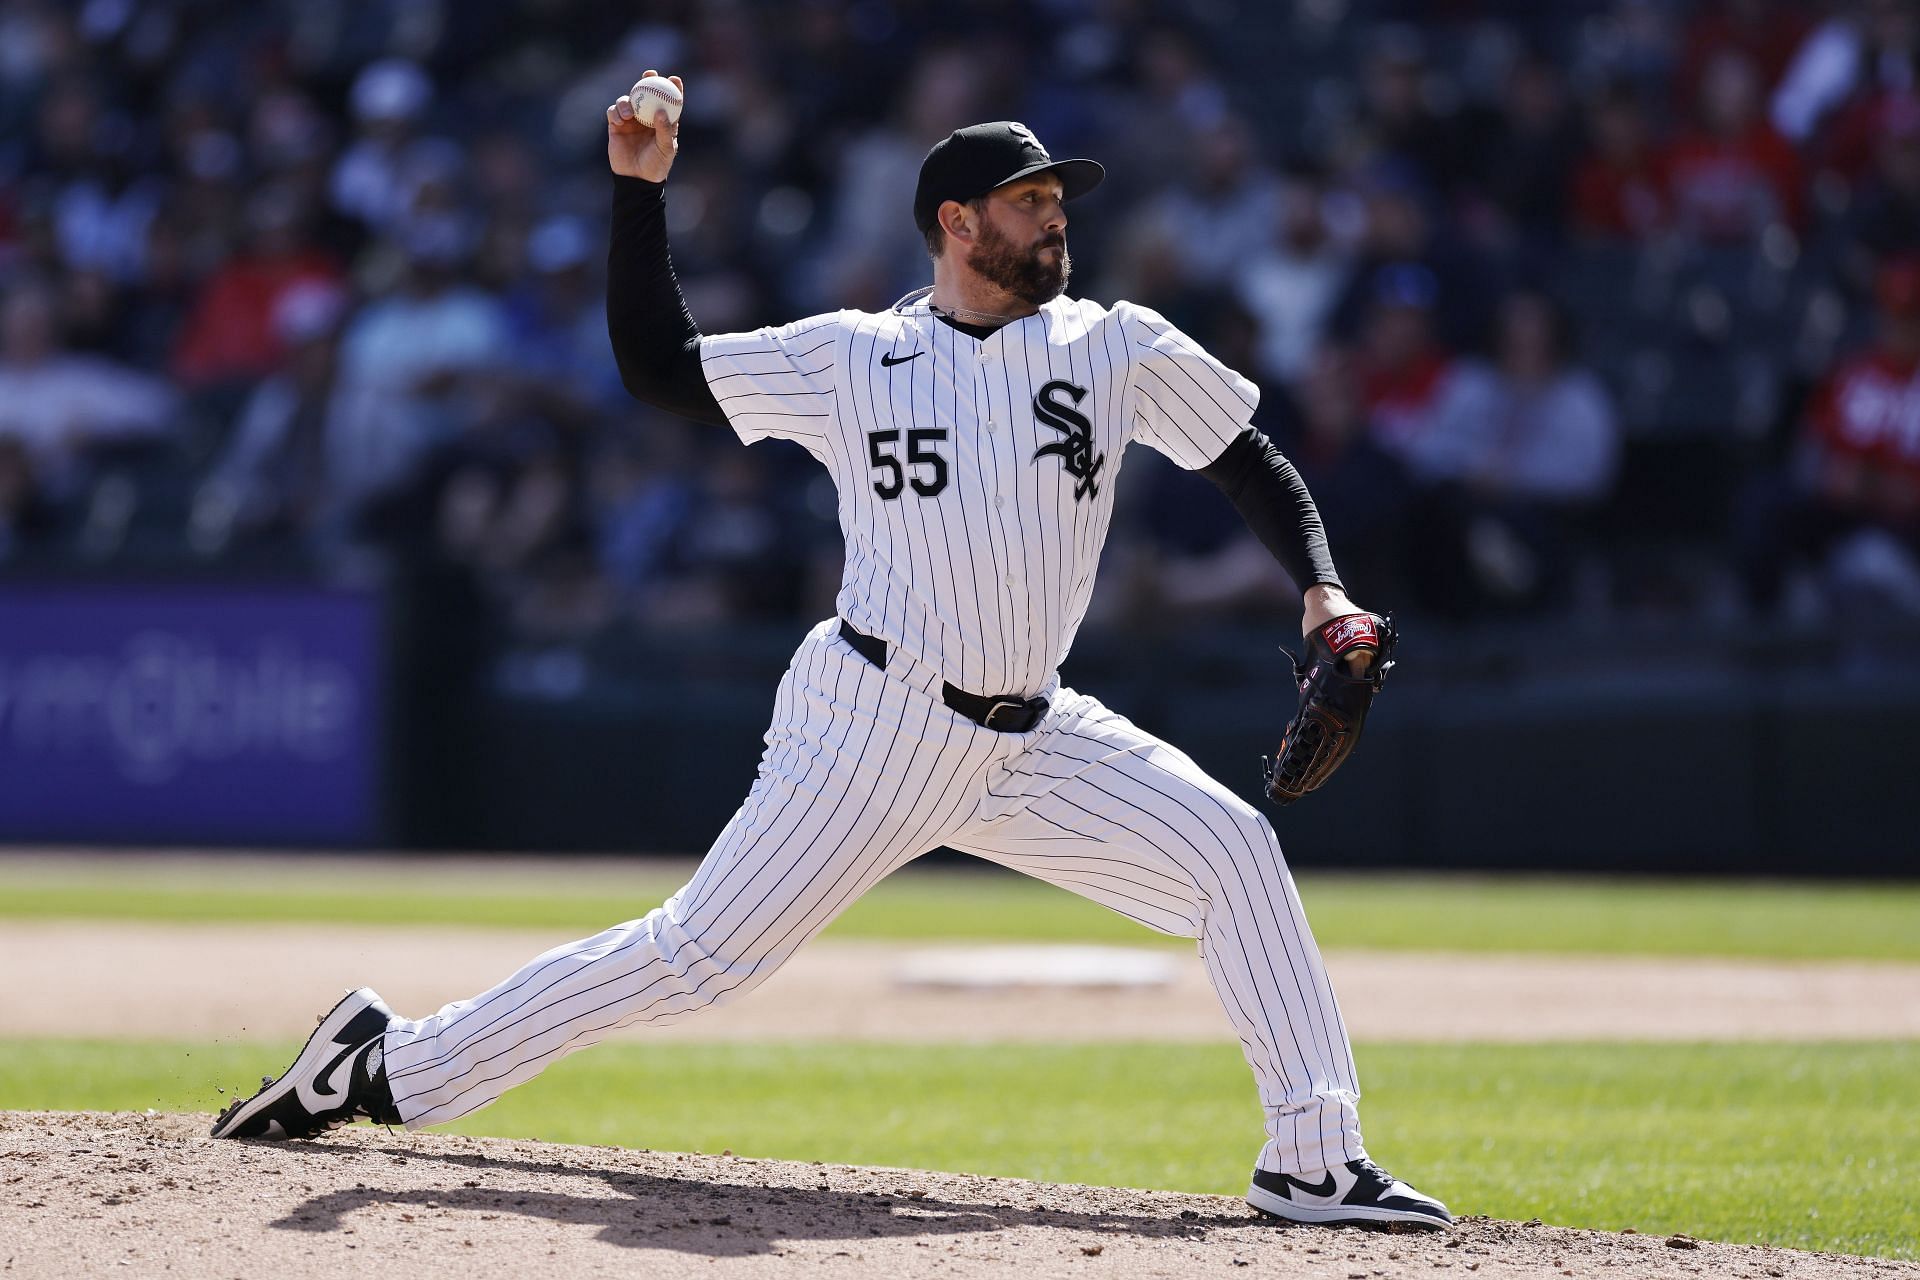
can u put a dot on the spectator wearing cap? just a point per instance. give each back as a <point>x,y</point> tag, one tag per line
<point>1850,504</point>
<point>1403,369</point>
<point>372,181</point>
<point>1402,228</point>
<point>556,317</point>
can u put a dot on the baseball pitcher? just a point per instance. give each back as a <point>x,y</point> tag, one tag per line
<point>975,432</point>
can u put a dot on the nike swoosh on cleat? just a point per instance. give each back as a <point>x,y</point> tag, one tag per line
<point>1324,1187</point>
<point>890,360</point>
<point>326,1086</point>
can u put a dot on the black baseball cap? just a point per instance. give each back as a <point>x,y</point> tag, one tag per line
<point>972,161</point>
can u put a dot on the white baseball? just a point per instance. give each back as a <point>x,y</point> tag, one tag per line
<point>654,93</point>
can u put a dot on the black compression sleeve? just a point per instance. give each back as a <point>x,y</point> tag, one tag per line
<point>655,341</point>
<point>1272,498</point>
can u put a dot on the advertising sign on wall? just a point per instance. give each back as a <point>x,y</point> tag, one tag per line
<point>215,714</point>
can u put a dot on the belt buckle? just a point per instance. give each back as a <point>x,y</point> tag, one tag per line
<point>1015,706</point>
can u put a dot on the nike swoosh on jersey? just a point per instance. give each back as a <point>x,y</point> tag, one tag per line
<point>889,360</point>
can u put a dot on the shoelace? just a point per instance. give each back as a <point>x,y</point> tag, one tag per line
<point>1364,1167</point>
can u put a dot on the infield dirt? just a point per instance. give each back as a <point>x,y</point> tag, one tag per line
<point>128,1194</point>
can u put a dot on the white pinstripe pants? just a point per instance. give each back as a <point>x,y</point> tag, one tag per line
<point>862,774</point>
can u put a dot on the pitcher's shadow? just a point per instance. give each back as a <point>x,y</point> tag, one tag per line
<point>721,1219</point>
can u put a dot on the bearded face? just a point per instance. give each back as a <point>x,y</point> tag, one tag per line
<point>1035,273</point>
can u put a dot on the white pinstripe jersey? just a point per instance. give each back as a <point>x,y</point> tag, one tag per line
<point>976,476</point>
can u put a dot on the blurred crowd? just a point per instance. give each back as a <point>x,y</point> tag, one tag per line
<point>1592,308</point>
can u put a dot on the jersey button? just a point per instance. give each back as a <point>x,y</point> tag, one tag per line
<point>1009,579</point>
<point>999,501</point>
<point>993,426</point>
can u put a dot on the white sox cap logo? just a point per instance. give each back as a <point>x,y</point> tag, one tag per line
<point>1025,134</point>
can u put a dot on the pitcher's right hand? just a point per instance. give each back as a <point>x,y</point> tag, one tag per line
<point>641,148</point>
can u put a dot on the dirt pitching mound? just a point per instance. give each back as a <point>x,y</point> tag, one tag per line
<point>124,1194</point>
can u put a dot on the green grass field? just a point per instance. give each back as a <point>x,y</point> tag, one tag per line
<point>1805,1145</point>
<point>1811,1146</point>
<point>1437,913</point>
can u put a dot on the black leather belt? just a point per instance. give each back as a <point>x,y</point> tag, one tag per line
<point>1002,714</point>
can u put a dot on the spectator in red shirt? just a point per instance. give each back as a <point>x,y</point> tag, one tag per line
<point>9,230</point>
<point>1403,370</point>
<point>1619,191</point>
<point>1732,176</point>
<point>1865,422</point>
<point>230,335</point>
<point>1850,502</point>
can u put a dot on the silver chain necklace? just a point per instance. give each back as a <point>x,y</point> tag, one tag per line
<point>965,315</point>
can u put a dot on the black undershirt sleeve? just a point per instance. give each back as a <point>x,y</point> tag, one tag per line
<point>1272,498</point>
<point>655,341</point>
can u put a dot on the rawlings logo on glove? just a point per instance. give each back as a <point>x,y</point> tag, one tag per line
<point>1333,703</point>
<point>1356,630</point>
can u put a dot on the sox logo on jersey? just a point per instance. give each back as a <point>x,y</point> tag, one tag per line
<point>976,482</point>
<point>1076,451</point>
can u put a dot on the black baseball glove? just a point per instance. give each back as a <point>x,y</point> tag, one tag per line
<point>1333,703</point>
